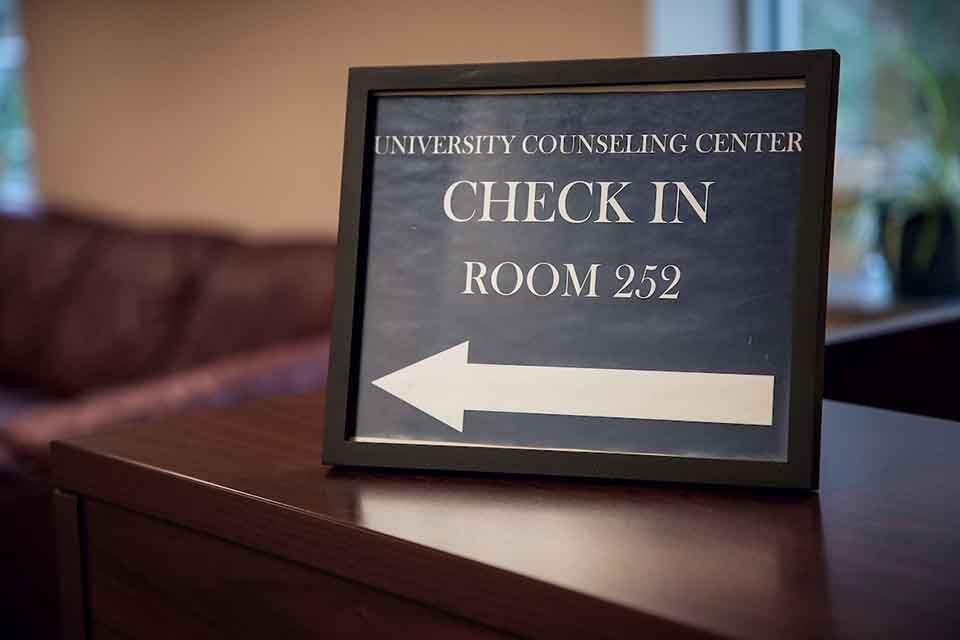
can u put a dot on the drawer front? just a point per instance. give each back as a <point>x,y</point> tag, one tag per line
<point>150,579</point>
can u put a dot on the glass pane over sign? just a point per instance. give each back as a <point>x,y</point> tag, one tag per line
<point>607,270</point>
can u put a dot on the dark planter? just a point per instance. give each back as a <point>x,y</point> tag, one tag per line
<point>925,262</point>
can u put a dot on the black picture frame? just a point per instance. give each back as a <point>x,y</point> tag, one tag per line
<point>817,69</point>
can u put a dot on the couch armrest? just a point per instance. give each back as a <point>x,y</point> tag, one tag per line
<point>294,368</point>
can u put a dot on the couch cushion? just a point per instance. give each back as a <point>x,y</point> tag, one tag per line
<point>37,269</point>
<point>234,303</point>
<point>85,305</point>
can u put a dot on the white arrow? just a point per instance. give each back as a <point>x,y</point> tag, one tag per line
<point>445,385</point>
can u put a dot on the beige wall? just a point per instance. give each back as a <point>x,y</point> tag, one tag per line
<point>230,114</point>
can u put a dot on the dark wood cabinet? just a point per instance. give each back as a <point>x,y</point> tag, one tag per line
<point>226,525</point>
<point>145,574</point>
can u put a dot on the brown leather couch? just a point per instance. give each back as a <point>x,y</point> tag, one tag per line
<point>102,325</point>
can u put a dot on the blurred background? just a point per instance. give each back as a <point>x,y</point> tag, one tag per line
<point>169,189</point>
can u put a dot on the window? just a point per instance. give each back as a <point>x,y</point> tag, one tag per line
<point>16,167</point>
<point>897,140</point>
<point>896,212</point>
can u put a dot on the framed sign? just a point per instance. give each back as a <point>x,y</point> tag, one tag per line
<point>606,268</point>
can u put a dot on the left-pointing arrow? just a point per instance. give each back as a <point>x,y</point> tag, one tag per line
<point>445,385</point>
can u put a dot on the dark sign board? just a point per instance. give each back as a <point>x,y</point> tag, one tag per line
<point>609,268</point>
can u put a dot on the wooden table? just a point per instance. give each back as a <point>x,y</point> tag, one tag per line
<point>226,525</point>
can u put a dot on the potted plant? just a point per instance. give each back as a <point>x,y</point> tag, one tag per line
<point>919,224</point>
